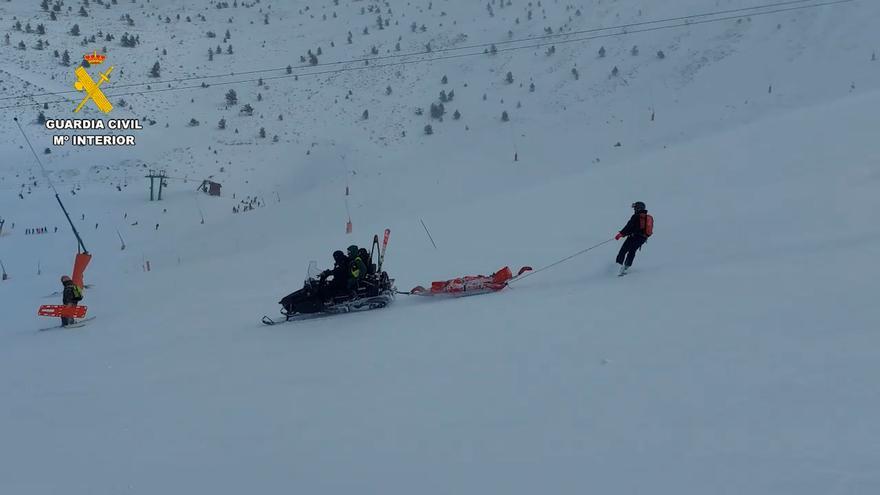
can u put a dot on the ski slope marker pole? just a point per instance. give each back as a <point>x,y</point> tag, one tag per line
<point>429,234</point>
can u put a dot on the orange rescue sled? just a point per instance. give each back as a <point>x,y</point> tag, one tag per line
<point>470,285</point>
<point>58,311</point>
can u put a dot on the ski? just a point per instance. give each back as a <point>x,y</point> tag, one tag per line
<point>78,324</point>
<point>384,247</point>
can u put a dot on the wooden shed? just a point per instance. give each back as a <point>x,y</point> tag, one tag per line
<point>210,187</point>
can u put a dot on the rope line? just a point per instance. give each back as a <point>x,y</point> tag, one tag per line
<point>563,260</point>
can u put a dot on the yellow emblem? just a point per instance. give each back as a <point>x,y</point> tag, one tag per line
<point>84,82</point>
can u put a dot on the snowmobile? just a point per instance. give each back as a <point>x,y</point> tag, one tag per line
<point>318,297</point>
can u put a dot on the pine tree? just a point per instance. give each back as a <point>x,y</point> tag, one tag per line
<point>154,72</point>
<point>437,110</point>
<point>231,97</point>
<point>41,118</point>
<point>262,132</point>
<point>504,116</point>
<point>222,124</point>
<point>366,115</point>
<point>509,78</point>
<point>429,130</point>
<point>65,58</point>
<point>74,31</point>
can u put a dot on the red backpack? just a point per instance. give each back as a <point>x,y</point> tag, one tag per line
<point>646,223</point>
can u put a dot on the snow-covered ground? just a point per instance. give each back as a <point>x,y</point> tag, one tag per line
<point>737,357</point>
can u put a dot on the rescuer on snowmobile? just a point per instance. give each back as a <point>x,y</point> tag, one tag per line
<point>357,267</point>
<point>341,275</point>
<point>368,260</point>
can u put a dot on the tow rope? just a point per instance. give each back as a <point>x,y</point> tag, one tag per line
<point>563,260</point>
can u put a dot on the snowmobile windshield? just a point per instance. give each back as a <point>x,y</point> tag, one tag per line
<point>312,272</point>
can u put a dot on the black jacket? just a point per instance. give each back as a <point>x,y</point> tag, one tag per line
<point>633,227</point>
<point>71,294</point>
<point>341,274</point>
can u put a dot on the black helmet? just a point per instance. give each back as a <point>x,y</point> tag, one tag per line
<point>339,256</point>
<point>639,206</point>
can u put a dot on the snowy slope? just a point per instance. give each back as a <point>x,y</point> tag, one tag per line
<point>736,358</point>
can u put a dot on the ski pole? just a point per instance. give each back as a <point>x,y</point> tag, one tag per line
<point>563,260</point>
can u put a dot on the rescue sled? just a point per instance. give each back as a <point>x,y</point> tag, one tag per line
<point>58,311</point>
<point>470,285</point>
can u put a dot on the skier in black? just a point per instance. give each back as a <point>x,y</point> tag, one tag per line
<point>637,230</point>
<point>341,275</point>
<point>70,298</point>
<point>311,298</point>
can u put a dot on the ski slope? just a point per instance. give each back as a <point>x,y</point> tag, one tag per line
<point>736,357</point>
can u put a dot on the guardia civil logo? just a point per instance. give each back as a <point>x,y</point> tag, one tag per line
<point>92,89</point>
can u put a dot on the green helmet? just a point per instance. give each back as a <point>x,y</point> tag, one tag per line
<point>352,251</point>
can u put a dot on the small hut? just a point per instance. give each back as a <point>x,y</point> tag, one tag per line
<point>210,188</point>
